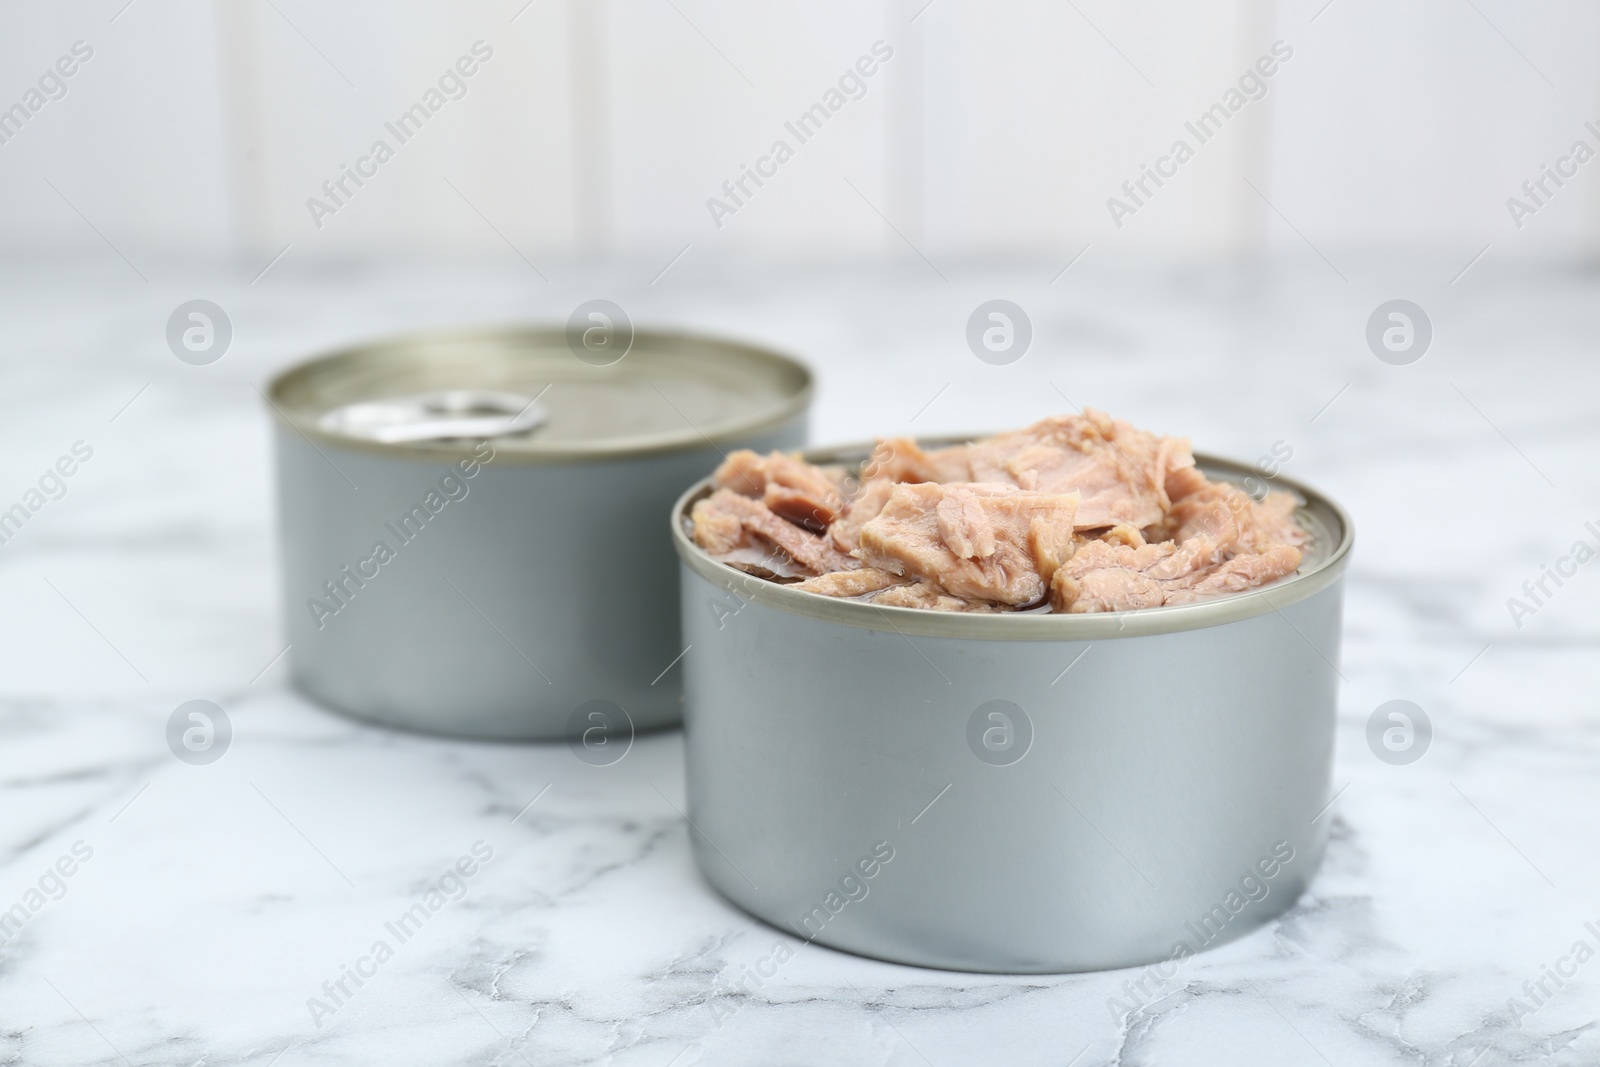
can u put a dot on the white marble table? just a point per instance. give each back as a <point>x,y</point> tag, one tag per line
<point>219,898</point>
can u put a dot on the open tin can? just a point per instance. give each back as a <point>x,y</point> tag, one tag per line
<point>1022,792</point>
<point>471,522</point>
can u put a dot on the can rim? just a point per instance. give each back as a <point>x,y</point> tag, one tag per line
<point>306,424</point>
<point>1028,626</point>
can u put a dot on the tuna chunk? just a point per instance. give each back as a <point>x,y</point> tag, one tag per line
<point>900,459</point>
<point>743,471</point>
<point>1102,576</point>
<point>717,529</point>
<point>790,487</point>
<point>930,596</point>
<point>975,541</point>
<point>1241,573</point>
<point>862,509</point>
<point>1121,473</point>
<point>810,552</point>
<point>1275,521</point>
<point>1105,589</point>
<point>851,583</point>
<point>1228,515</point>
<point>1181,481</point>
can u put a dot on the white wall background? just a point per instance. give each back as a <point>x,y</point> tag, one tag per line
<point>602,126</point>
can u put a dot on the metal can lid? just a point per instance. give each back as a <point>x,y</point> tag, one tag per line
<point>444,415</point>
<point>436,395</point>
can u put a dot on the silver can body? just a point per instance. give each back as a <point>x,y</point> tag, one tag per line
<point>541,588</point>
<point>1050,794</point>
<point>485,592</point>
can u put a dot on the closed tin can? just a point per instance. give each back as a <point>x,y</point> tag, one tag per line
<point>1023,792</point>
<point>471,523</point>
